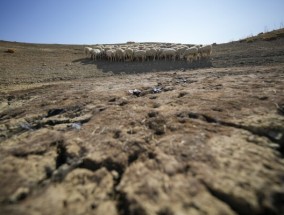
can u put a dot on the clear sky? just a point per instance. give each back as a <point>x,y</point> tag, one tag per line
<point>118,21</point>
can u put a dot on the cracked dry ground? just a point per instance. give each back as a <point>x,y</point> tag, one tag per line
<point>210,143</point>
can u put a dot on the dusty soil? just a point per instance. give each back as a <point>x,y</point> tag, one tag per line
<point>73,140</point>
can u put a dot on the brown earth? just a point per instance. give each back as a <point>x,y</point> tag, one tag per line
<point>73,140</point>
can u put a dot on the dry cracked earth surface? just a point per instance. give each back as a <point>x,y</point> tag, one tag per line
<point>204,138</point>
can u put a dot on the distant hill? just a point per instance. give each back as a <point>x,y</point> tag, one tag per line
<point>267,36</point>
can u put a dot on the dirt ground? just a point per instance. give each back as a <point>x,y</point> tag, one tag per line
<point>202,138</point>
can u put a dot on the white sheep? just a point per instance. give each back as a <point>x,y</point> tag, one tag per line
<point>87,51</point>
<point>110,54</point>
<point>107,48</point>
<point>98,47</point>
<point>120,54</point>
<point>168,53</point>
<point>159,52</point>
<point>205,51</point>
<point>139,54</point>
<point>151,53</point>
<point>191,54</point>
<point>129,54</point>
<point>180,51</point>
<point>95,53</point>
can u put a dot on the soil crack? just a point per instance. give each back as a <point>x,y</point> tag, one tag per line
<point>122,202</point>
<point>238,205</point>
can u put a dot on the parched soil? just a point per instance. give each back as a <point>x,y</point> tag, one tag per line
<point>202,138</point>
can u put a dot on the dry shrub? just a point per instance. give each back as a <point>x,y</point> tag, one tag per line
<point>251,39</point>
<point>269,37</point>
<point>11,51</point>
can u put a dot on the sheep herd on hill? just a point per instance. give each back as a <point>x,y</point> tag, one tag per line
<point>143,52</point>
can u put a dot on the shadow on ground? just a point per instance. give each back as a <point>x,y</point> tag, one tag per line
<point>147,66</point>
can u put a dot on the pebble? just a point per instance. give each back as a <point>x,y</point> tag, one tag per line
<point>123,101</point>
<point>76,125</point>
<point>182,94</point>
<point>115,174</point>
<point>19,194</point>
<point>153,114</point>
<point>135,92</point>
<point>168,88</point>
<point>263,97</point>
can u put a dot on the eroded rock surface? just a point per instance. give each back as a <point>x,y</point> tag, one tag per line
<point>210,141</point>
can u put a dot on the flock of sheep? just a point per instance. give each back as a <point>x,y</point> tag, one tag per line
<point>141,52</point>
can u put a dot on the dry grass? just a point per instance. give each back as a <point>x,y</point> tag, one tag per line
<point>268,36</point>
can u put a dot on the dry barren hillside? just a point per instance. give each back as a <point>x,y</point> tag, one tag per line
<point>199,138</point>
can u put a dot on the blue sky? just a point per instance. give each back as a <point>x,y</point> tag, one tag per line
<point>118,21</point>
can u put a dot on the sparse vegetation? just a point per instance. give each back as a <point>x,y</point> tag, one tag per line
<point>265,36</point>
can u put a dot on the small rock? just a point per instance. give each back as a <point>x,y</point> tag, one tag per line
<point>263,97</point>
<point>115,174</point>
<point>10,98</point>
<point>76,125</point>
<point>112,99</point>
<point>82,119</point>
<point>152,97</point>
<point>252,139</point>
<point>156,105</point>
<point>171,167</point>
<point>56,111</point>
<point>217,109</point>
<point>157,90</point>
<point>181,80</point>
<point>158,125</point>
<point>117,134</point>
<point>153,114</point>
<point>146,92</point>
<point>273,146</point>
<point>123,101</point>
<point>168,88</point>
<point>19,194</point>
<point>276,135</point>
<point>61,172</point>
<point>26,126</point>
<point>135,92</point>
<point>182,94</point>
<point>280,109</point>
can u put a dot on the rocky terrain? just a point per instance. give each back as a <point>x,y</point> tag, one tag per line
<point>202,138</point>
